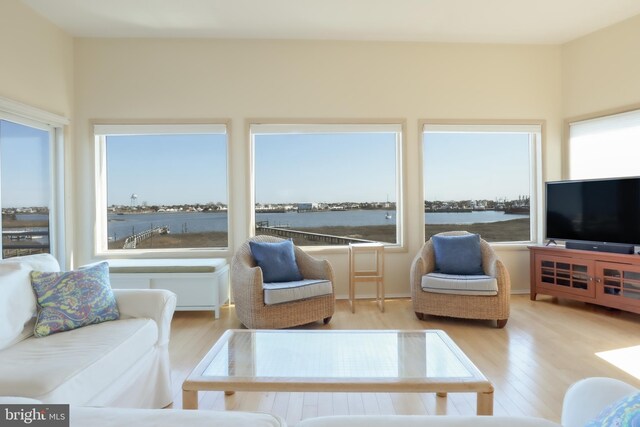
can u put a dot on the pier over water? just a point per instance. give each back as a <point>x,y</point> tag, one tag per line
<point>132,241</point>
<point>264,227</point>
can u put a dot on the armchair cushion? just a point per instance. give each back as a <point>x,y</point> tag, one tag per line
<point>73,299</point>
<point>275,293</point>
<point>457,254</point>
<point>277,261</point>
<point>459,284</point>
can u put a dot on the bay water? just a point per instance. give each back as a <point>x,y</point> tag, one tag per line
<point>123,225</point>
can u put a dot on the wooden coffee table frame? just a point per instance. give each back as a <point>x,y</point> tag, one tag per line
<point>476,383</point>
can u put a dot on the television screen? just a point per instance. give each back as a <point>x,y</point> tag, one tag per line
<point>605,210</point>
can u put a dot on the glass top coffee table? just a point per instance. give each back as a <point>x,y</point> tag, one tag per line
<point>422,361</point>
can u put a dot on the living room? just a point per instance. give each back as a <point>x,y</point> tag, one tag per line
<point>242,81</point>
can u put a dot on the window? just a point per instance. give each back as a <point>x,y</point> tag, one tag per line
<point>25,189</point>
<point>31,180</point>
<point>327,184</point>
<point>482,179</point>
<point>162,187</point>
<point>605,147</point>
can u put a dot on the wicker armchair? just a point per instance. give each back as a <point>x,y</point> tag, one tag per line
<point>463,306</point>
<point>246,283</point>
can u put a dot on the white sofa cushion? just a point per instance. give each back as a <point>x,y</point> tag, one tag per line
<point>113,417</point>
<point>15,400</point>
<point>73,366</point>
<point>17,299</point>
<point>279,292</point>
<point>17,302</point>
<point>424,420</point>
<point>37,262</point>
<point>459,284</point>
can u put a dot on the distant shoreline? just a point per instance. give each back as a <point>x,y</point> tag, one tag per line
<point>511,230</point>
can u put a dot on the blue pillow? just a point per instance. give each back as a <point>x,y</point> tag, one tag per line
<point>458,254</point>
<point>277,261</point>
<point>625,412</point>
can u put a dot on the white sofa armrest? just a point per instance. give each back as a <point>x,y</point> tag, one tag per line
<point>585,399</point>
<point>156,304</point>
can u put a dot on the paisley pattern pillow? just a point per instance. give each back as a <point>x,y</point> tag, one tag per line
<point>623,413</point>
<point>73,299</point>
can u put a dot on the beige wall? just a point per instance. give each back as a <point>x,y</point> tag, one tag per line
<point>36,69</point>
<point>37,60</point>
<point>601,71</point>
<point>187,79</point>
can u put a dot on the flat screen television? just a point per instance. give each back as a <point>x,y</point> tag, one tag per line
<point>599,210</point>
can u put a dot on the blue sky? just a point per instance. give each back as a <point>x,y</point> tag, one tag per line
<point>166,169</point>
<point>24,165</point>
<point>347,167</point>
<point>475,166</point>
<point>289,168</point>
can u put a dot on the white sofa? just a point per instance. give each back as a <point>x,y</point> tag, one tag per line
<point>583,402</point>
<point>121,363</point>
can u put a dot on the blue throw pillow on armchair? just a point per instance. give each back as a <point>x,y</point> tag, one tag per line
<point>458,254</point>
<point>277,261</point>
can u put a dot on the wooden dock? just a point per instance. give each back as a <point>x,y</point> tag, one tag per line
<point>263,227</point>
<point>24,241</point>
<point>132,241</point>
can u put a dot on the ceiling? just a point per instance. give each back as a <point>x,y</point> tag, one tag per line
<point>467,21</point>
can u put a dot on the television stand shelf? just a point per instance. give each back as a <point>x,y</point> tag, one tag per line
<point>607,279</point>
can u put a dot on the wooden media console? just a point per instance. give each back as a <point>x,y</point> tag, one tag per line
<point>607,279</point>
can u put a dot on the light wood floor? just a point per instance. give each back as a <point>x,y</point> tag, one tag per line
<point>546,346</point>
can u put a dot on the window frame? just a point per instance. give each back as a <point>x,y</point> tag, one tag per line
<point>55,125</point>
<point>100,130</point>
<point>535,127</point>
<point>334,125</point>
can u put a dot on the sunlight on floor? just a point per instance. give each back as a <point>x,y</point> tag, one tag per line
<point>624,358</point>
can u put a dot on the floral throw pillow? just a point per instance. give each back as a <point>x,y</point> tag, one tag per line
<point>72,299</point>
<point>623,413</point>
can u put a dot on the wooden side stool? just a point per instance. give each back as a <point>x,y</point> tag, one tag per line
<point>375,275</point>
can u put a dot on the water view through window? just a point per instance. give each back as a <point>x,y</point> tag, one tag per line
<point>166,191</point>
<point>25,189</point>
<point>324,187</point>
<point>478,182</point>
